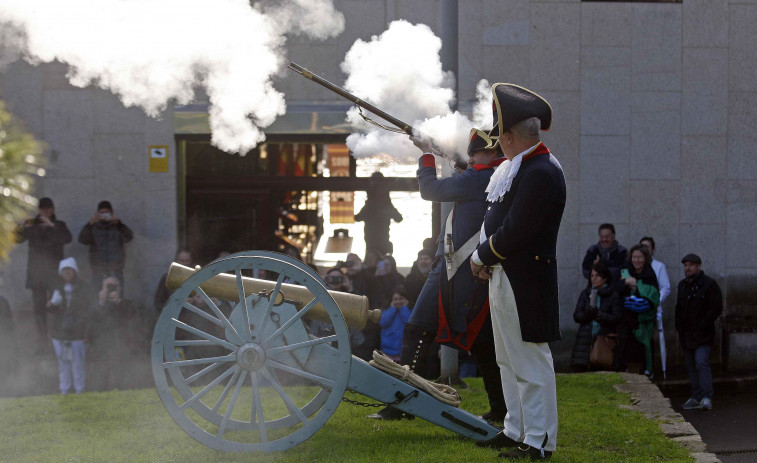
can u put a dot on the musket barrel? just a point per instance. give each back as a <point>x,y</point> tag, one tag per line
<point>405,127</point>
<point>224,286</point>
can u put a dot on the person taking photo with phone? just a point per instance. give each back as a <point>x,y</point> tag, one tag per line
<point>105,235</point>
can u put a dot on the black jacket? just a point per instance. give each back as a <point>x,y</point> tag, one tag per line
<point>115,331</point>
<point>700,303</point>
<point>45,250</point>
<point>71,321</point>
<point>522,230</point>
<point>608,316</point>
<point>414,282</point>
<point>614,257</point>
<point>106,244</point>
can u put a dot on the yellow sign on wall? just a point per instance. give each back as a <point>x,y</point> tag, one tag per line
<point>158,158</point>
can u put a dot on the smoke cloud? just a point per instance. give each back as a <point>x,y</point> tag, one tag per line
<point>152,53</point>
<point>400,72</point>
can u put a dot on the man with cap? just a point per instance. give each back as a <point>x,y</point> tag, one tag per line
<point>71,304</point>
<point>46,235</point>
<point>105,235</point>
<point>699,304</point>
<point>452,307</point>
<point>517,250</point>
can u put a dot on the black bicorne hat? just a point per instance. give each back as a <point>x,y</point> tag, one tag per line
<point>513,104</point>
<point>479,140</point>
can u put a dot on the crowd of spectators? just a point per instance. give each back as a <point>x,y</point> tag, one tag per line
<point>377,277</point>
<point>94,333</point>
<point>623,301</point>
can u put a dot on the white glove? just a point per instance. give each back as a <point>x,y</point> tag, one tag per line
<point>424,144</point>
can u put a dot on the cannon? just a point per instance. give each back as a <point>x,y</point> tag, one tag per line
<point>238,368</point>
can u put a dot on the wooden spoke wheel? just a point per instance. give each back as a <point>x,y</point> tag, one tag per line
<point>252,371</point>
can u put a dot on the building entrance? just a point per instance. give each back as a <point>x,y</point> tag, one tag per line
<point>266,200</point>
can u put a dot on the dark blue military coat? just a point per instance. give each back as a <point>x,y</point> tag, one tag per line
<point>466,190</point>
<point>522,230</point>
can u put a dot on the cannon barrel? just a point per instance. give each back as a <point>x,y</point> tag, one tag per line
<point>224,286</point>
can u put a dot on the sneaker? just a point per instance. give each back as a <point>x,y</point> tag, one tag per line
<point>649,374</point>
<point>706,404</point>
<point>692,404</point>
<point>526,452</point>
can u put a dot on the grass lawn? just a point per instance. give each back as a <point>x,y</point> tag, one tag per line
<point>132,426</point>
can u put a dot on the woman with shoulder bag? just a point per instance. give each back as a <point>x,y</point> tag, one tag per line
<point>641,295</point>
<point>598,312</point>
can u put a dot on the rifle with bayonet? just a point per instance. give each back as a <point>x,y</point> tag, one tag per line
<point>402,127</point>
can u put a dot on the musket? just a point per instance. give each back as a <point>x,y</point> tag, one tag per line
<point>402,126</point>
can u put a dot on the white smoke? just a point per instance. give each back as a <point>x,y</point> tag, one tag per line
<point>400,72</point>
<point>152,53</point>
<point>315,18</point>
<point>482,109</point>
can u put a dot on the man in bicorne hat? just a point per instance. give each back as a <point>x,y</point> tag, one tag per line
<point>517,250</point>
<point>451,307</point>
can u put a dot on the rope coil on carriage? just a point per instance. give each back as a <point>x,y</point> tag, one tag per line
<point>442,392</point>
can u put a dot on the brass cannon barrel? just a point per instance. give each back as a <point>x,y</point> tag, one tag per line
<point>224,286</point>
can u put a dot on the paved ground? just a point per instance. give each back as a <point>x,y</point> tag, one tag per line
<point>730,428</point>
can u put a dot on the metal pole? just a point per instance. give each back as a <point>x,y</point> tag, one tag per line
<point>449,55</point>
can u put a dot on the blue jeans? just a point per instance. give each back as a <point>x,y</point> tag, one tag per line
<point>700,373</point>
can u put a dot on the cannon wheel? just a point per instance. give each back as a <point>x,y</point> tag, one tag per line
<point>250,359</point>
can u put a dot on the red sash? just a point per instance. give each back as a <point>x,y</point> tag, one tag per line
<point>464,340</point>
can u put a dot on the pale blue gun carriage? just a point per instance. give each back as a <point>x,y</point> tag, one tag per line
<point>238,369</point>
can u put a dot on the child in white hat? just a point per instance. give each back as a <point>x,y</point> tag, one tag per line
<point>70,305</point>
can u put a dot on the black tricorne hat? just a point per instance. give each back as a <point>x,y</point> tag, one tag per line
<point>479,140</point>
<point>513,104</point>
<point>693,258</point>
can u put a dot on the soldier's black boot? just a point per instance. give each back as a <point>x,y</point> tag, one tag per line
<point>487,365</point>
<point>416,346</point>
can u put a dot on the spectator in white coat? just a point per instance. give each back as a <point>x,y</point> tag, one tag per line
<point>662,279</point>
<point>660,271</point>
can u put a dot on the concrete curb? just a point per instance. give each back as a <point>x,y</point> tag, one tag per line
<point>647,398</point>
<point>736,383</point>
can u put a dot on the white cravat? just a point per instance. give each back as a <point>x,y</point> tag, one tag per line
<point>499,184</point>
<point>502,178</point>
